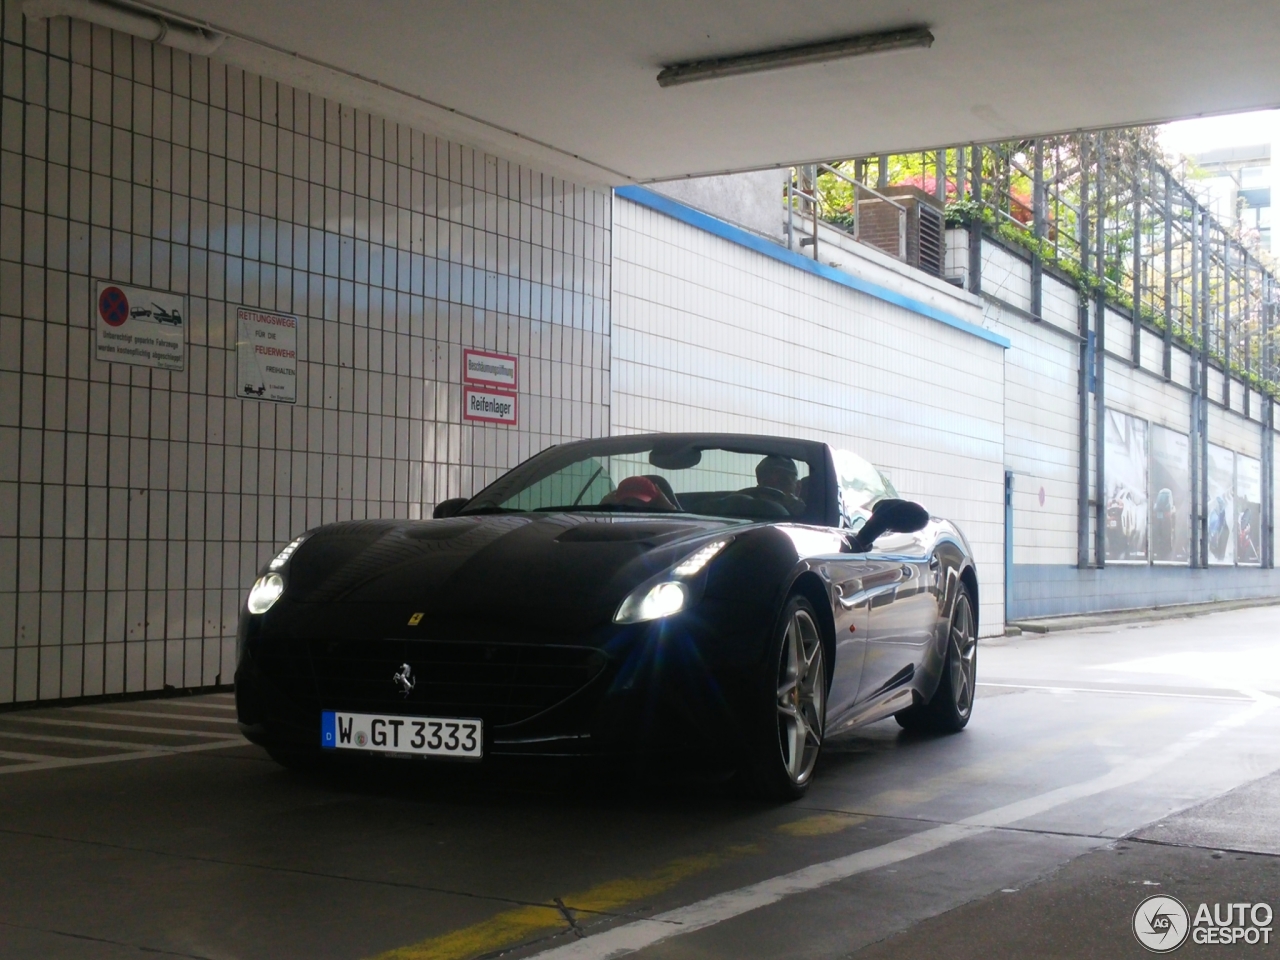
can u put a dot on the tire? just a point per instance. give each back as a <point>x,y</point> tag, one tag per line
<point>793,698</point>
<point>951,706</point>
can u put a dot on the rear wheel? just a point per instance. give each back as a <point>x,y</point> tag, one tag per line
<point>952,703</point>
<point>795,684</point>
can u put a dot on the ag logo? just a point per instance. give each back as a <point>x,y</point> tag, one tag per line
<point>1161,924</point>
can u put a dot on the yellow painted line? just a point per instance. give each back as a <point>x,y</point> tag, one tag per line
<point>822,824</point>
<point>614,894</point>
<point>514,926</point>
<point>511,927</point>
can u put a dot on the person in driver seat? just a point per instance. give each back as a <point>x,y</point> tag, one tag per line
<point>776,480</point>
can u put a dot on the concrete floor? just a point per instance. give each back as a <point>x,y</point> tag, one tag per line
<point>1101,766</point>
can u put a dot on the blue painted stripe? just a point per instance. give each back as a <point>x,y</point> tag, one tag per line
<point>744,238</point>
<point>328,730</point>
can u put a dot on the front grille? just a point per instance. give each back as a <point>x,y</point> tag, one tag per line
<point>501,683</point>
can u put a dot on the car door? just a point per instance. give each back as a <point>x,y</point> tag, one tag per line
<point>859,581</point>
<point>903,613</point>
<point>851,611</point>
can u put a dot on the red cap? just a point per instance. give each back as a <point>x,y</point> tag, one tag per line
<point>638,488</point>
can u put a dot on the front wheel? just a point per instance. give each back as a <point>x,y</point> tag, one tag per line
<point>952,704</point>
<point>790,738</point>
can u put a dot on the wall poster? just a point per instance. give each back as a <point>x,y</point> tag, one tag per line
<point>1126,479</point>
<point>266,355</point>
<point>1170,471</point>
<point>1222,505</point>
<point>1248,509</point>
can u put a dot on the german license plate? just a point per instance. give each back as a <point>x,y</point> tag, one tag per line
<point>418,736</point>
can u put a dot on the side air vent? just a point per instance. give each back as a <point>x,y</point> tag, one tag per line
<point>925,233</point>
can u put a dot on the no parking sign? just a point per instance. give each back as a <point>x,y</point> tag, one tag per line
<point>142,327</point>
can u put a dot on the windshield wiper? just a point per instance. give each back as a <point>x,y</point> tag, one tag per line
<point>490,508</point>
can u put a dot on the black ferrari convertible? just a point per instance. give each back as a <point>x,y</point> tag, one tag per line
<point>740,598</point>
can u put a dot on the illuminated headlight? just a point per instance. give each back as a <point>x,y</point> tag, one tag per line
<point>660,600</point>
<point>265,592</point>
<point>283,556</point>
<point>699,558</point>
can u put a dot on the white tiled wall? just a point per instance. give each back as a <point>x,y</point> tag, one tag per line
<point>709,335</point>
<point>1042,397</point>
<point>135,504</point>
<point>1041,414</point>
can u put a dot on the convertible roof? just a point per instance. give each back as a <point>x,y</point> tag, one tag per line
<point>738,442</point>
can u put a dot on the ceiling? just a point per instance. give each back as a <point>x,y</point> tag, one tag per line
<point>570,84</point>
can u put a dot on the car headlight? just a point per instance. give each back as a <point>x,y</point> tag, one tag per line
<point>699,558</point>
<point>266,591</point>
<point>660,600</point>
<point>283,556</point>
<point>653,601</point>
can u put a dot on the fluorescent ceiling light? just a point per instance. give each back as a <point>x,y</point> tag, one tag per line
<point>821,52</point>
<point>148,26</point>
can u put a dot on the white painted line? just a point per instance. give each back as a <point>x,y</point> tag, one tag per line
<point>51,764</point>
<point>150,713</point>
<point>630,937</point>
<point>189,704</point>
<point>88,725</point>
<point>1130,693</point>
<point>81,741</point>
<point>14,755</point>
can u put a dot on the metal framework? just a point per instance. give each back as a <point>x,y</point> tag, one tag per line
<point>1102,211</point>
<point>804,202</point>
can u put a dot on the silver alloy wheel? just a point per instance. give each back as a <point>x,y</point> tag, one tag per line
<point>963,657</point>
<point>802,691</point>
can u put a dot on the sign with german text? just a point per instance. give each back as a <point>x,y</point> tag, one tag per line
<point>489,369</point>
<point>267,355</point>
<point>490,406</point>
<point>146,328</point>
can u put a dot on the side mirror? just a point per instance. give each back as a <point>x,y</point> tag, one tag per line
<point>448,508</point>
<point>890,516</point>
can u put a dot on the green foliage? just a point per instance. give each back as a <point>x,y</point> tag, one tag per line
<point>1122,168</point>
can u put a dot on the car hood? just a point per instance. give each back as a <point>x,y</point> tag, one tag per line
<point>577,567</point>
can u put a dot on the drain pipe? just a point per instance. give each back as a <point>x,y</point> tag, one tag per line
<point>148,26</point>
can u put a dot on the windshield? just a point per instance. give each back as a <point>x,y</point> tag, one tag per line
<point>861,484</point>
<point>747,478</point>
